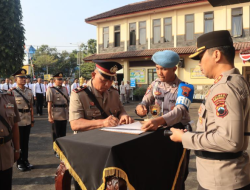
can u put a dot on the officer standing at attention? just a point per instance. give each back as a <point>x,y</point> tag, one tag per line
<point>9,138</point>
<point>220,144</point>
<point>23,98</point>
<point>163,92</point>
<point>58,107</point>
<point>97,104</point>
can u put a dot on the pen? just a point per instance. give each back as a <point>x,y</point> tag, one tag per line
<point>111,113</point>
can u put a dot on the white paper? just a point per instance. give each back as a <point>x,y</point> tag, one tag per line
<point>133,128</point>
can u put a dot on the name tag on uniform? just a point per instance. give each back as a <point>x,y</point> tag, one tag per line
<point>92,107</point>
<point>9,106</point>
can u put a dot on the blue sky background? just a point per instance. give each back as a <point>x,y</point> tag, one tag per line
<point>61,22</point>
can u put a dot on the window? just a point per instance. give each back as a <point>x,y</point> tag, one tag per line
<point>106,37</point>
<point>132,34</point>
<point>237,22</point>
<point>167,29</point>
<point>209,22</point>
<point>152,75</point>
<point>117,36</point>
<point>142,31</point>
<point>157,31</point>
<point>189,27</point>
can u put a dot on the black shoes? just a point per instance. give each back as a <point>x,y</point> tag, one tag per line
<point>28,164</point>
<point>23,167</point>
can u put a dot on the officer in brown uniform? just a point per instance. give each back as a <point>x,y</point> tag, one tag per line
<point>23,98</point>
<point>58,107</point>
<point>219,142</point>
<point>9,138</point>
<point>97,104</point>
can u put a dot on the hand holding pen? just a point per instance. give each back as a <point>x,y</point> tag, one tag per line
<point>110,121</point>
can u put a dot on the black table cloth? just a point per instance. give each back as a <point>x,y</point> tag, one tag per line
<point>146,162</point>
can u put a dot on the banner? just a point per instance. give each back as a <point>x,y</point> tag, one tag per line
<point>138,74</point>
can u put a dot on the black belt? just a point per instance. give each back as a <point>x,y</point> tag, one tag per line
<point>5,139</point>
<point>60,105</point>
<point>24,110</point>
<point>218,155</point>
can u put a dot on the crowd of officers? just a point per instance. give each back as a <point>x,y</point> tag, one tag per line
<point>224,115</point>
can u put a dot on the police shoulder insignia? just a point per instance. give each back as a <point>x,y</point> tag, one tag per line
<point>219,101</point>
<point>185,91</point>
<point>218,79</point>
<point>79,89</point>
<point>148,89</point>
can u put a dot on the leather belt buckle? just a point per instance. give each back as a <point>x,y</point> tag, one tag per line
<point>1,141</point>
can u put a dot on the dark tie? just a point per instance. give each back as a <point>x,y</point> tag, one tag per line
<point>8,86</point>
<point>40,87</point>
<point>28,85</point>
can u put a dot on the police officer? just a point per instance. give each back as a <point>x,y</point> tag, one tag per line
<point>23,98</point>
<point>58,107</point>
<point>163,93</point>
<point>97,104</point>
<point>220,145</point>
<point>9,138</point>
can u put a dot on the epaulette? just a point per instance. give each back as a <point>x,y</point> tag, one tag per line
<point>113,88</point>
<point>79,89</point>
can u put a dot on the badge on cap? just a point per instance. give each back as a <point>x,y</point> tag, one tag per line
<point>113,69</point>
<point>60,75</point>
<point>22,72</point>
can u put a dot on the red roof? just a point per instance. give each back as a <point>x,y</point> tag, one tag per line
<point>148,53</point>
<point>140,6</point>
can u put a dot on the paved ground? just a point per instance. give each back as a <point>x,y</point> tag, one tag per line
<point>42,157</point>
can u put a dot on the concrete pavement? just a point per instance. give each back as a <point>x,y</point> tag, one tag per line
<point>41,155</point>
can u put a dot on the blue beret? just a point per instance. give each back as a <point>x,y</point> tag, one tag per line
<point>166,59</point>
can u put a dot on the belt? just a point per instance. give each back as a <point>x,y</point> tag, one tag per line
<point>5,139</point>
<point>218,155</point>
<point>60,106</point>
<point>24,110</point>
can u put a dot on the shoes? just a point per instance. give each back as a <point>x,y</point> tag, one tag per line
<point>28,164</point>
<point>22,167</point>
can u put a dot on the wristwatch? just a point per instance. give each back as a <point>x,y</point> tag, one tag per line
<point>18,151</point>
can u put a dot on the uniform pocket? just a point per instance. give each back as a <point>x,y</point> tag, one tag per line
<point>93,113</point>
<point>115,111</point>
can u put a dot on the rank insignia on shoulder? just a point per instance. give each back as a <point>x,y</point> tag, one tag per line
<point>79,89</point>
<point>218,79</point>
<point>9,106</point>
<point>219,101</point>
<point>92,103</point>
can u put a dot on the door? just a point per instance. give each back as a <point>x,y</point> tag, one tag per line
<point>246,73</point>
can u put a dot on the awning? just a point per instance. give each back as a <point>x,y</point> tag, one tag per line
<point>149,52</point>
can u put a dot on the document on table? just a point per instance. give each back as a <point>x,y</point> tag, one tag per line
<point>133,128</point>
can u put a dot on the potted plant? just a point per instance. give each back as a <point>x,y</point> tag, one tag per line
<point>139,93</point>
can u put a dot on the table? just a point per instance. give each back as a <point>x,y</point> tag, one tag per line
<point>146,162</point>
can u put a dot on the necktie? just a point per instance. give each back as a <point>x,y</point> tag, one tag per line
<point>8,86</point>
<point>28,86</point>
<point>40,88</point>
<point>46,87</point>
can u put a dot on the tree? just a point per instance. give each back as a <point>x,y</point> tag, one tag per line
<point>11,37</point>
<point>44,58</point>
<point>87,68</point>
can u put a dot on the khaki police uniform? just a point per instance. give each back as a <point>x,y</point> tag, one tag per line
<point>9,111</point>
<point>24,124</point>
<point>223,117</point>
<point>162,92</point>
<point>60,110</point>
<point>81,106</point>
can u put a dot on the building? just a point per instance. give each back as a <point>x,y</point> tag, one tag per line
<point>131,34</point>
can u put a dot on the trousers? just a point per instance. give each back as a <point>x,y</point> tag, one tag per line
<point>24,135</point>
<point>39,103</point>
<point>6,179</point>
<point>243,188</point>
<point>59,129</point>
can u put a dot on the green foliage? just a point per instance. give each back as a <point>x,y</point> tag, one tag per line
<point>87,50</point>
<point>140,91</point>
<point>11,37</point>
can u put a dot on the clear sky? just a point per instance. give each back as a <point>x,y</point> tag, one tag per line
<point>61,22</point>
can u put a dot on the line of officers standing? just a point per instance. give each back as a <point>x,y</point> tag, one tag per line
<point>224,115</point>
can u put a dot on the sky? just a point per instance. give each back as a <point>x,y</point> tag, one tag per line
<point>58,23</point>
